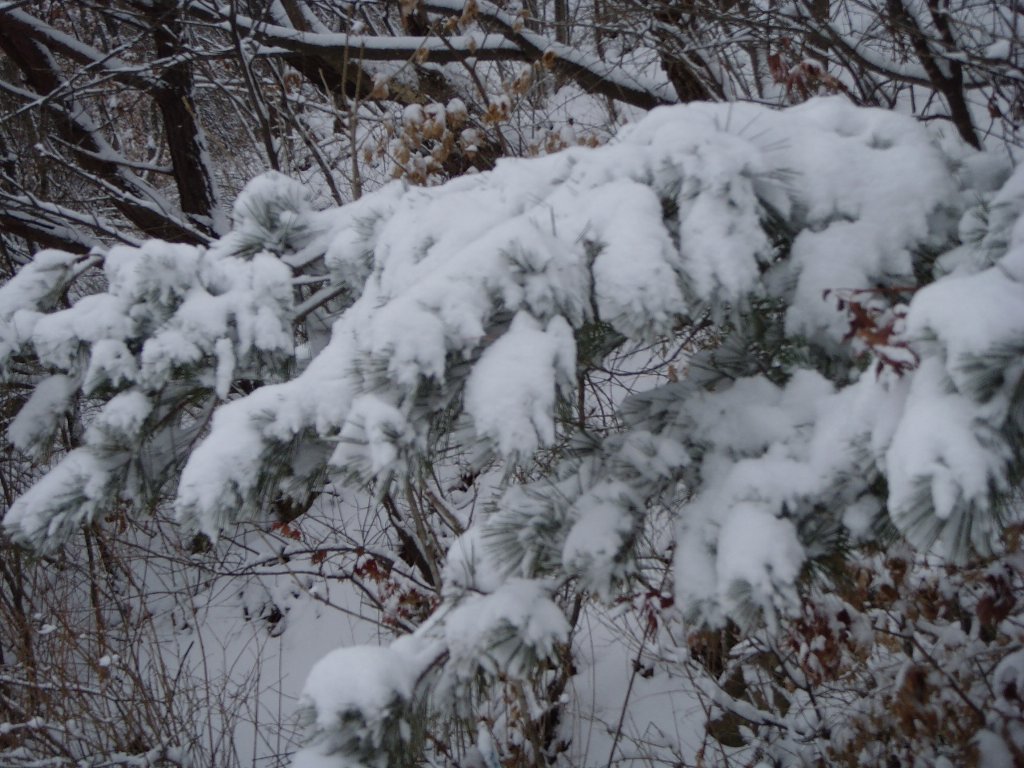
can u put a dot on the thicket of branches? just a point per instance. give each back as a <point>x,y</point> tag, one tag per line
<point>126,120</point>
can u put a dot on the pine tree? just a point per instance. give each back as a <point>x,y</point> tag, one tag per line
<point>847,296</point>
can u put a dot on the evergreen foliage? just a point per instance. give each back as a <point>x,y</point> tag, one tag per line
<point>850,295</point>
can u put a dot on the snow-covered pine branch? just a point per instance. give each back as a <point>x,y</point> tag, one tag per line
<point>863,292</point>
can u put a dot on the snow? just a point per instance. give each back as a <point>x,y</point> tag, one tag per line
<point>672,217</point>
<point>654,91</point>
<point>511,392</point>
<point>466,305</point>
<point>70,494</point>
<point>378,429</point>
<point>373,47</point>
<point>121,419</point>
<point>468,565</point>
<point>358,678</point>
<point>722,241</point>
<point>635,272</point>
<point>37,420</point>
<point>36,282</point>
<point>993,751</point>
<point>595,542</point>
<point>508,630</point>
<point>111,363</point>
<point>57,337</point>
<point>938,438</point>
<point>213,483</point>
<point>225,374</point>
<point>268,214</point>
<point>161,273</point>
<point>859,227</point>
<point>411,339</point>
<point>758,549</point>
<point>969,314</point>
